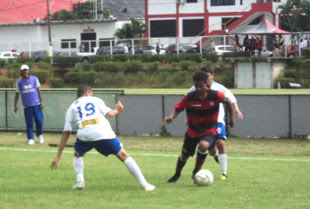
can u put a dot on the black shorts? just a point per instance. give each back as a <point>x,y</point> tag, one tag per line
<point>190,144</point>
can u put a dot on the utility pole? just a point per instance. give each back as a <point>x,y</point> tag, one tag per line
<point>49,31</point>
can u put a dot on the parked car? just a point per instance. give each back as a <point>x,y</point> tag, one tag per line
<point>8,55</point>
<point>107,50</point>
<point>183,48</point>
<point>38,55</point>
<point>66,54</point>
<point>220,49</point>
<point>264,53</point>
<point>151,49</point>
<point>26,54</point>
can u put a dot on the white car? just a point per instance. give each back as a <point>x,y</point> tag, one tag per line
<point>220,49</point>
<point>8,55</point>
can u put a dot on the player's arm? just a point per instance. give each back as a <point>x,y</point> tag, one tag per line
<point>173,115</point>
<point>234,102</point>
<point>15,102</point>
<point>118,108</point>
<point>40,97</point>
<point>230,111</point>
<point>63,142</point>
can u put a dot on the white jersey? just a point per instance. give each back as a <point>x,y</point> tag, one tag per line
<point>219,87</point>
<point>88,114</point>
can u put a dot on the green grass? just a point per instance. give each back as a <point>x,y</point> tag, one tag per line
<point>263,173</point>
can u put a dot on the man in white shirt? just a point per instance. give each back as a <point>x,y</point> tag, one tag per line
<point>221,127</point>
<point>89,114</point>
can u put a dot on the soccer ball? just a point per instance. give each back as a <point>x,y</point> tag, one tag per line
<point>203,178</point>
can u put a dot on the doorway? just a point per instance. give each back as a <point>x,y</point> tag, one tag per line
<point>89,41</point>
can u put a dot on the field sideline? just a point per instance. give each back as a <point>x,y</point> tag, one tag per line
<point>263,173</point>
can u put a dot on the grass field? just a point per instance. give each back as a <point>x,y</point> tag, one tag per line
<point>263,173</point>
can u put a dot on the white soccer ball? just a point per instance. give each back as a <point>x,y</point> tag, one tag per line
<point>204,178</point>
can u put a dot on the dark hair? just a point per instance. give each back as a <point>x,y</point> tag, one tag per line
<point>207,69</point>
<point>82,89</point>
<point>200,76</point>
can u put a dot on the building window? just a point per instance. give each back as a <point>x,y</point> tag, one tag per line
<point>226,22</point>
<point>241,2</point>
<point>222,2</point>
<point>163,28</point>
<point>65,43</point>
<point>191,1</point>
<point>193,27</point>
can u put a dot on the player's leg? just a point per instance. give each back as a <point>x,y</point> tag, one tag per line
<point>188,149</point>
<point>203,147</point>
<point>38,119</point>
<point>213,151</point>
<point>134,169</point>
<point>78,164</point>
<point>114,146</point>
<point>220,143</point>
<point>28,113</point>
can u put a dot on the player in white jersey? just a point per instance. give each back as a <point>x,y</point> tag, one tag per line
<point>220,154</point>
<point>89,114</point>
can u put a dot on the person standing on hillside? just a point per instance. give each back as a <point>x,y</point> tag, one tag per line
<point>28,86</point>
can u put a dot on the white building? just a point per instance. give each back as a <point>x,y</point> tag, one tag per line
<point>186,19</point>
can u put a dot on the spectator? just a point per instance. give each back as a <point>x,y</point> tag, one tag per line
<point>28,86</point>
<point>259,45</point>
<point>246,44</point>
<point>157,48</point>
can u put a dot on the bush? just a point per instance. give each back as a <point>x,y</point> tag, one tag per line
<point>133,67</point>
<point>305,52</point>
<point>7,82</point>
<point>97,58</point>
<point>2,62</point>
<point>186,64</point>
<point>56,82</point>
<point>151,67</point>
<point>25,60</point>
<point>13,73</point>
<point>43,75</point>
<point>212,56</point>
<point>45,66</point>
<point>64,62</point>
<point>195,57</point>
<point>77,77</point>
<point>169,58</point>
<point>109,66</point>
<point>121,57</point>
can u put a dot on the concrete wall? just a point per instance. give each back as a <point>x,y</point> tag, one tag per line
<point>264,116</point>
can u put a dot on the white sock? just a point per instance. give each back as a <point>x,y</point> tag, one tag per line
<point>135,171</point>
<point>223,163</point>
<point>78,165</point>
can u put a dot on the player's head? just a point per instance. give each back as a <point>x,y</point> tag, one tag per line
<point>84,90</point>
<point>200,81</point>
<point>210,73</point>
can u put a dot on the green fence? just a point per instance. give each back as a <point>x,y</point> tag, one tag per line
<point>56,103</point>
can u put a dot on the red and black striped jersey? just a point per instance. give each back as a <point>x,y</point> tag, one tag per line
<point>201,113</point>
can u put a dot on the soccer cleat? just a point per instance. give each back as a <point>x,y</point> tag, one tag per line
<point>41,140</point>
<point>79,185</point>
<point>149,187</point>
<point>174,178</point>
<point>31,142</point>
<point>224,177</point>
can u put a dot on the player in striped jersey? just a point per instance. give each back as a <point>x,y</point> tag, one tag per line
<point>202,108</point>
<point>219,151</point>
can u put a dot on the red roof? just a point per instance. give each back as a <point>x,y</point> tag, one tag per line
<point>13,11</point>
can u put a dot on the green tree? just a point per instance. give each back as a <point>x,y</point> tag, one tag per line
<point>134,29</point>
<point>295,15</point>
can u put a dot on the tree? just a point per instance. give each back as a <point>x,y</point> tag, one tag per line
<point>134,29</point>
<point>295,15</point>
